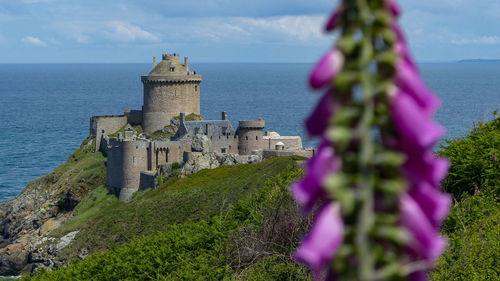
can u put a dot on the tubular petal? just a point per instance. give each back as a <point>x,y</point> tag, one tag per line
<point>409,81</point>
<point>394,7</point>
<point>412,124</point>
<point>425,240</point>
<point>433,203</point>
<point>332,22</point>
<point>309,188</point>
<point>324,239</point>
<point>326,69</point>
<point>319,119</point>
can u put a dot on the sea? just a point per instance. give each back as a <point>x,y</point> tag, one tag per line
<point>45,108</point>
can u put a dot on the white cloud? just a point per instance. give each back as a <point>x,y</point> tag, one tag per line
<point>481,40</point>
<point>34,41</point>
<point>125,32</point>
<point>294,30</point>
<point>111,31</point>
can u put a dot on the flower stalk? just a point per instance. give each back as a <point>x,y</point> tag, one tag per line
<point>375,164</point>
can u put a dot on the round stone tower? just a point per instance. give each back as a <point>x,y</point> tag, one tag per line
<point>134,160</point>
<point>250,136</point>
<point>169,89</point>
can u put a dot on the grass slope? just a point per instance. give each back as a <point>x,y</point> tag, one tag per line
<point>70,181</point>
<point>199,196</point>
<point>234,222</point>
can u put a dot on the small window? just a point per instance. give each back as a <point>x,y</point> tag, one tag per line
<point>256,137</point>
<point>195,88</point>
<point>246,137</point>
<point>223,150</point>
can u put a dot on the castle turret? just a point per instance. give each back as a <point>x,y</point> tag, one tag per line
<point>170,88</point>
<point>250,135</point>
<point>134,160</point>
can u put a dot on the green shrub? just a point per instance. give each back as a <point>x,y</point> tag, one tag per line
<point>472,160</point>
<point>473,230</point>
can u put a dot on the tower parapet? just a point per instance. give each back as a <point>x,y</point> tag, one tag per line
<point>170,88</point>
<point>250,135</point>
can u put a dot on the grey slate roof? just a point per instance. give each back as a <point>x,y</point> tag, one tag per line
<point>190,128</point>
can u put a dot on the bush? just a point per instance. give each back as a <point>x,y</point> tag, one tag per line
<point>472,159</point>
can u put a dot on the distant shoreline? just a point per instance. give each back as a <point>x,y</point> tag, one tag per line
<point>479,60</point>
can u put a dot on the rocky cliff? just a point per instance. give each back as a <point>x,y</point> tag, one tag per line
<point>44,205</point>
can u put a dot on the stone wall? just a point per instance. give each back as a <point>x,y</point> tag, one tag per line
<point>164,100</point>
<point>250,136</point>
<point>135,160</point>
<point>134,117</point>
<point>105,125</point>
<point>307,153</point>
<point>224,144</point>
<point>290,142</point>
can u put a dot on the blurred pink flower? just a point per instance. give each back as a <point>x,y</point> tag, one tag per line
<point>326,69</point>
<point>309,189</point>
<point>324,239</point>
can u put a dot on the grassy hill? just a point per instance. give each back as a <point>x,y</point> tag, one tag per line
<point>230,222</point>
<point>240,223</point>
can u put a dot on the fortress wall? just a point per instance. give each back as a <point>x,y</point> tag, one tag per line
<point>114,163</point>
<point>105,125</point>
<point>250,139</point>
<point>290,142</point>
<point>134,117</point>
<point>280,153</point>
<point>165,100</point>
<point>135,160</point>
<point>176,150</point>
<point>229,143</point>
<point>147,180</point>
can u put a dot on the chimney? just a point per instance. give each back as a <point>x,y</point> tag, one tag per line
<point>224,115</point>
<point>154,61</point>
<point>209,129</point>
<point>186,63</point>
<point>181,117</point>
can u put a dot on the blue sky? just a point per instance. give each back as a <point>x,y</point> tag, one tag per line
<point>226,30</point>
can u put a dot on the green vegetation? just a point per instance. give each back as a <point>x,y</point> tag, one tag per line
<point>82,172</point>
<point>161,135</point>
<point>137,129</point>
<point>473,160</point>
<point>240,222</point>
<point>234,222</point>
<point>473,226</point>
<point>191,117</point>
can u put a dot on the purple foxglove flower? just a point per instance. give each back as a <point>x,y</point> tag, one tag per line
<point>423,165</point>
<point>425,241</point>
<point>318,168</point>
<point>432,202</point>
<point>332,22</point>
<point>411,123</point>
<point>400,35</point>
<point>394,7</point>
<point>409,81</point>
<point>326,69</point>
<point>417,276</point>
<point>324,239</point>
<point>317,122</point>
<point>401,49</point>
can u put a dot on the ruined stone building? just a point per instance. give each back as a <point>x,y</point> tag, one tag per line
<point>172,91</point>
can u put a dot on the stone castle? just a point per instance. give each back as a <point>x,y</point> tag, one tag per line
<point>172,92</point>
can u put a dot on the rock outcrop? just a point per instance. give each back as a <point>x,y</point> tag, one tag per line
<point>210,160</point>
<point>44,205</point>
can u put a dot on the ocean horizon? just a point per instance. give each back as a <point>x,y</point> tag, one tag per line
<point>46,107</point>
